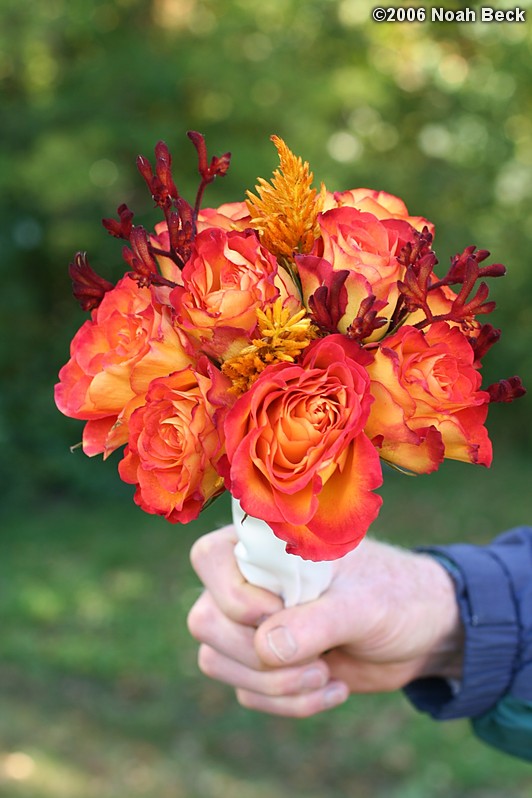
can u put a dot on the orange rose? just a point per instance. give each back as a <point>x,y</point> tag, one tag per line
<point>297,453</point>
<point>380,204</point>
<point>114,356</point>
<point>364,249</point>
<point>428,402</point>
<point>228,276</point>
<point>229,216</point>
<point>361,243</point>
<point>175,441</point>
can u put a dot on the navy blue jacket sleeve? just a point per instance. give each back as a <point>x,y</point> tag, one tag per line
<point>494,592</point>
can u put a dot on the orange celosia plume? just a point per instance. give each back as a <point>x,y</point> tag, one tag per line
<point>286,210</point>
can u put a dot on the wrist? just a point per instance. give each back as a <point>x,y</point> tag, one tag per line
<point>444,657</point>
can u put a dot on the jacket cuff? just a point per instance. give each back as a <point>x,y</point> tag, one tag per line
<point>489,615</point>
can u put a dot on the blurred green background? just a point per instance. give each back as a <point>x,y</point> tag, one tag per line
<point>99,691</point>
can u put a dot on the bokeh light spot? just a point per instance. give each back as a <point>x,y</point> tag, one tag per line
<point>435,140</point>
<point>18,766</point>
<point>344,146</point>
<point>103,173</point>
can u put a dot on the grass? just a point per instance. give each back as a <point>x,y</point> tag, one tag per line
<point>100,695</point>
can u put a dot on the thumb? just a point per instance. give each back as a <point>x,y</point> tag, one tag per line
<point>302,633</point>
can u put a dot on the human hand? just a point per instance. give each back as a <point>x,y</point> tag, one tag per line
<point>389,616</point>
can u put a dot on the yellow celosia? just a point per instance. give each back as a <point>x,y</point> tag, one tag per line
<point>283,338</point>
<point>286,210</point>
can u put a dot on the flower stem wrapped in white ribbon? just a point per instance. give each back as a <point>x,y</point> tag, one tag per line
<point>264,562</point>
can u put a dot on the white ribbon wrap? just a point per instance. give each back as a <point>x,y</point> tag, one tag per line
<point>263,561</point>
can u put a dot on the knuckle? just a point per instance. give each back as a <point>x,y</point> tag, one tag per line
<point>200,551</point>
<point>207,661</point>
<point>246,699</point>
<point>198,618</point>
<point>237,607</point>
<point>233,602</point>
<point>204,547</point>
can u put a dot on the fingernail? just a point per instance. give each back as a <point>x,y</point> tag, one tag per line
<point>282,643</point>
<point>312,679</point>
<point>334,695</point>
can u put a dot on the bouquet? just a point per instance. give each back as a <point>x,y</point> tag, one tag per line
<point>281,348</point>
